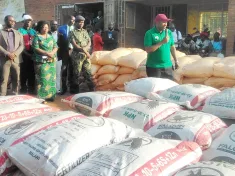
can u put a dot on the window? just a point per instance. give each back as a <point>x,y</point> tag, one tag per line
<point>130,15</point>
<point>215,21</point>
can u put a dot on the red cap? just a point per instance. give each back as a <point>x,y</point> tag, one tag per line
<point>162,17</point>
<point>204,34</point>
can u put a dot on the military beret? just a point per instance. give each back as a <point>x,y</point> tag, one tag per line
<point>79,18</point>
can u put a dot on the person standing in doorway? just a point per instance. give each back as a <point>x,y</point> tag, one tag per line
<point>99,21</point>
<point>27,74</point>
<point>11,47</point>
<point>159,44</point>
<point>64,51</point>
<point>97,41</point>
<point>110,38</point>
<point>80,58</point>
<point>54,33</point>
<point>177,36</point>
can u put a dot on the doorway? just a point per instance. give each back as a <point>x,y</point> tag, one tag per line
<point>90,12</point>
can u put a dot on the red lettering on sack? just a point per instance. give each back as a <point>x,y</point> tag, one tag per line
<point>25,113</point>
<point>16,99</point>
<point>216,125</point>
<point>160,116</point>
<point>164,160</point>
<point>107,104</point>
<point>204,134</point>
<point>201,97</point>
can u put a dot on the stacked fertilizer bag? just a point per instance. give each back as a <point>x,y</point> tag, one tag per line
<point>222,148</point>
<point>112,69</point>
<point>140,156</point>
<point>57,147</point>
<point>166,116</point>
<point>221,104</point>
<point>210,71</point>
<point>11,134</point>
<point>183,61</point>
<point>100,102</point>
<point>157,127</point>
<point>17,113</point>
<point>20,107</point>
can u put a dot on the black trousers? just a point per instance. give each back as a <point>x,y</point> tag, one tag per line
<point>66,71</point>
<point>160,72</point>
<point>27,75</point>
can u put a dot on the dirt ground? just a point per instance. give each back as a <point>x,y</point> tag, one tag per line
<point>58,104</point>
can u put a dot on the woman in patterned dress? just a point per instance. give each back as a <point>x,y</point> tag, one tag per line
<point>44,57</point>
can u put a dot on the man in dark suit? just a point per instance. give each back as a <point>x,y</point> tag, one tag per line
<point>11,47</point>
<point>64,49</point>
<point>110,38</point>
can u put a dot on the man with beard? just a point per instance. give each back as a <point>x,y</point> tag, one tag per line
<point>27,74</point>
<point>54,33</point>
<point>81,66</point>
<point>110,38</point>
<point>11,47</point>
<point>159,44</point>
<point>64,50</point>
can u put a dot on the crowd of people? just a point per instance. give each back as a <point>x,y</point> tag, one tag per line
<point>199,43</point>
<point>46,59</point>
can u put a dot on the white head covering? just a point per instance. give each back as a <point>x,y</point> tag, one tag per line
<point>27,17</point>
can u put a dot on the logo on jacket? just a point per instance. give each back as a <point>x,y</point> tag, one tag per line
<point>157,38</point>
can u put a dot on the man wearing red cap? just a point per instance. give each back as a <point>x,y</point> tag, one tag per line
<point>159,44</point>
<point>203,43</point>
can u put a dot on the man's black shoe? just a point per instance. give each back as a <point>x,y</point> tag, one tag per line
<point>63,92</point>
<point>74,91</point>
<point>50,99</point>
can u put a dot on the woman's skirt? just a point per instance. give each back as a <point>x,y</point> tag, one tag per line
<point>46,80</point>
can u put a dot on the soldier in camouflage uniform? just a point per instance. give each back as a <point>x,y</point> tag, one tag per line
<point>81,66</point>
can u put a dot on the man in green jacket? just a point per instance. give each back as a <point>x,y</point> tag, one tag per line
<point>159,44</point>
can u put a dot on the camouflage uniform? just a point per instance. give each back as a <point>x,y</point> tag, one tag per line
<point>81,66</point>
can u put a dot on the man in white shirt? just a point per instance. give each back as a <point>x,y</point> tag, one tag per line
<point>176,35</point>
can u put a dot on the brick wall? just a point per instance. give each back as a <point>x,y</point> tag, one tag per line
<point>230,28</point>
<point>45,9</point>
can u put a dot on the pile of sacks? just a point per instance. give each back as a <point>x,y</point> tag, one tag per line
<point>156,127</point>
<point>69,143</point>
<point>211,71</point>
<point>111,69</point>
<point>166,111</point>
